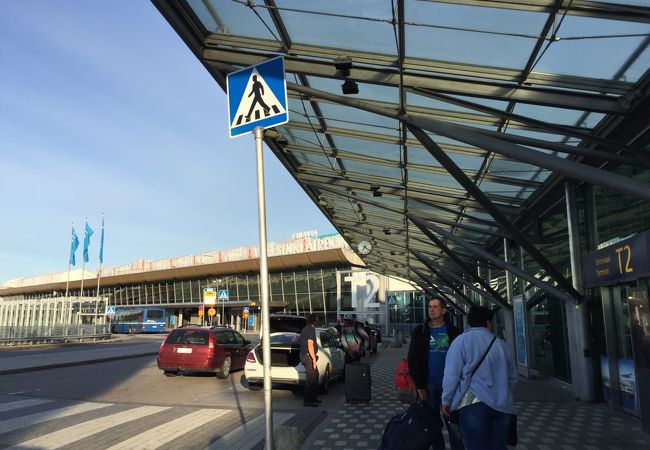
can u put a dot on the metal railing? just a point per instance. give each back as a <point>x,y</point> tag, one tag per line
<point>14,335</point>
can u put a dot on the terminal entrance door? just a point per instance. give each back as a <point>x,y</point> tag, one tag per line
<point>625,369</point>
<point>639,320</point>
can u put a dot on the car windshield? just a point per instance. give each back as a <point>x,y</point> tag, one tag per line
<point>283,324</point>
<point>193,337</point>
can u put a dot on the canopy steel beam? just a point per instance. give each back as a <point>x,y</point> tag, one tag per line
<point>503,221</point>
<point>563,166</point>
<point>583,8</point>
<point>225,58</point>
<point>348,155</point>
<point>463,265</point>
<point>424,66</point>
<point>494,260</point>
<point>434,291</point>
<point>534,123</point>
<point>433,268</point>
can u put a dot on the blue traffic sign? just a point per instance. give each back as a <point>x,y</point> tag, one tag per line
<point>223,295</point>
<point>257,97</point>
<point>251,320</point>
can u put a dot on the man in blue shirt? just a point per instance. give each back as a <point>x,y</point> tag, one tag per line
<point>426,357</point>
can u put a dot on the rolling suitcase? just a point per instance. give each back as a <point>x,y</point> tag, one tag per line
<point>357,382</point>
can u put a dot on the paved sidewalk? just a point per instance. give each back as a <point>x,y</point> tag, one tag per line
<point>548,417</point>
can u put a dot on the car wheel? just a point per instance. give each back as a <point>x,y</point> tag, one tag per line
<point>225,369</point>
<point>325,384</point>
<point>170,373</point>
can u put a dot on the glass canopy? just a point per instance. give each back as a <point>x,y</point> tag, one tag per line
<point>457,117</point>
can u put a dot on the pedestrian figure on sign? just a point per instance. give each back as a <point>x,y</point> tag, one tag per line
<point>257,91</point>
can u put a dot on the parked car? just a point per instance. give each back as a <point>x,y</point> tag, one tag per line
<point>286,367</point>
<point>203,349</point>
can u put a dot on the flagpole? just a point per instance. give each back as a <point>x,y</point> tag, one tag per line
<point>83,268</point>
<point>101,258</point>
<point>67,283</point>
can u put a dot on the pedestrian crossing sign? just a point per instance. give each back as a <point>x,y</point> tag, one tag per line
<point>257,97</point>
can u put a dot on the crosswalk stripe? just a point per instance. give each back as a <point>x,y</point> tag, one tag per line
<point>31,419</point>
<point>88,428</point>
<point>249,434</point>
<point>4,407</point>
<point>158,436</point>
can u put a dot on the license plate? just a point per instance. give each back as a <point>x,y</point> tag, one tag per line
<point>183,350</point>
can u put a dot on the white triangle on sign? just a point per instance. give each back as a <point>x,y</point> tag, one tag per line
<point>275,108</point>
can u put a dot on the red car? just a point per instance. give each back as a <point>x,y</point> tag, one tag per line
<point>203,349</point>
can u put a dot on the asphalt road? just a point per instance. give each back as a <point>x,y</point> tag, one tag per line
<point>138,380</point>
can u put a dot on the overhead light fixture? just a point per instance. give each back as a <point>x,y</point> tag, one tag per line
<point>343,65</point>
<point>350,87</point>
<point>375,188</point>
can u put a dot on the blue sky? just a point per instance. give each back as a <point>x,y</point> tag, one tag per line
<point>103,109</point>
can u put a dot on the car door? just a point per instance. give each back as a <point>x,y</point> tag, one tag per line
<point>240,348</point>
<point>335,353</point>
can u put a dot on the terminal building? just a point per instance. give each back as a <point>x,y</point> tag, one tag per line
<point>307,274</point>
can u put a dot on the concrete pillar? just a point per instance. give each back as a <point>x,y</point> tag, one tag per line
<point>577,315</point>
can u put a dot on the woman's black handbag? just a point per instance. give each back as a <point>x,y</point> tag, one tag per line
<point>512,431</point>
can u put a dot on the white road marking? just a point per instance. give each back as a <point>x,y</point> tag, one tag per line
<point>31,419</point>
<point>82,430</point>
<point>158,436</point>
<point>22,404</point>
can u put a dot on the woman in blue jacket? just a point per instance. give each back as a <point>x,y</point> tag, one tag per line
<point>484,399</point>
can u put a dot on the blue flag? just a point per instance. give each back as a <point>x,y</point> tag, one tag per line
<point>101,244</point>
<point>73,247</point>
<point>89,232</point>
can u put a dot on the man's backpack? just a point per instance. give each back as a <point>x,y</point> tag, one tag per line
<point>412,430</point>
<point>404,383</point>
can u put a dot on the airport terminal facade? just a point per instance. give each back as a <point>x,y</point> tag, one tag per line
<point>308,274</point>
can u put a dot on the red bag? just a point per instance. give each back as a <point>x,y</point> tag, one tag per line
<point>404,383</point>
<point>403,380</point>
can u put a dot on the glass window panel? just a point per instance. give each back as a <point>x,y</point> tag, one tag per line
<point>639,66</point>
<point>366,147</point>
<point>428,102</point>
<point>305,137</point>
<point>345,117</point>
<point>374,169</point>
<point>433,179</point>
<point>311,159</point>
<point>515,169</point>
<point>471,47</point>
<point>465,162</point>
<point>234,18</point>
<point>560,116</point>
<point>594,58</point>
<point>341,32</point>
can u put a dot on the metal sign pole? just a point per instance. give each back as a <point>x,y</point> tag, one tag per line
<point>264,284</point>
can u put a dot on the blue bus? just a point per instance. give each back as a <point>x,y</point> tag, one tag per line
<point>137,319</point>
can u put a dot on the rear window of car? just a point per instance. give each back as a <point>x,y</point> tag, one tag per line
<point>191,337</point>
<point>283,324</point>
<point>285,340</point>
